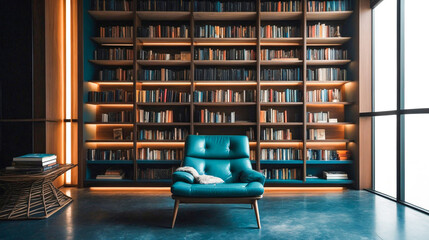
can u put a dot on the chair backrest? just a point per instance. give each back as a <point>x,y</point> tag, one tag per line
<point>218,155</point>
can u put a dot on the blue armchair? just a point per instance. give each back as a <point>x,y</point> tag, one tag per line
<point>226,157</point>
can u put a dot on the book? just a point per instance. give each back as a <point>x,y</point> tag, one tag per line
<point>117,134</point>
<point>224,6</point>
<point>31,169</point>
<point>281,6</point>
<point>335,175</point>
<point>34,163</point>
<point>42,157</point>
<point>281,74</point>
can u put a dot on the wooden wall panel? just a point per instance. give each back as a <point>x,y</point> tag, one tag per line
<point>55,143</point>
<point>55,58</point>
<point>365,94</point>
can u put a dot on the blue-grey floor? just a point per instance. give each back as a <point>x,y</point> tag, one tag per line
<point>126,215</point>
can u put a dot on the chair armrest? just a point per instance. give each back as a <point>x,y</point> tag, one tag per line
<point>183,177</point>
<point>248,176</point>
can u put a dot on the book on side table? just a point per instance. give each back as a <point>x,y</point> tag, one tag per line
<point>33,163</point>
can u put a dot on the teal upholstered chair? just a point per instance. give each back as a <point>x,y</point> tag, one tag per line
<point>226,157</point>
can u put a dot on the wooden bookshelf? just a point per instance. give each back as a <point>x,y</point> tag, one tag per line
<point>95,134</point>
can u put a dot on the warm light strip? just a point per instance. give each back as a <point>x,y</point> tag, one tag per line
<point>164,83</point>
<point>111,124</point>
<point>117,44</point>
<point>225,83</point>
<point>304,189</point>
<point>280,84</point>
<point>267,189</point>
<point>167,189</point>
<point>111,143</point>
<point>162,144</point>
<point>111,105</point>
<point>112,83</point>
<point>166,44</point>
<point>68,116</point>
<point>224,44</point>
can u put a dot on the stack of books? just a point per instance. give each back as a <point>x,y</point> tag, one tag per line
<point>112,174</point>
<point>335,175</point>
<point>33,163</point>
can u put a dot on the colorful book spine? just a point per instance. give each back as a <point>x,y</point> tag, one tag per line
<point>328,155</point>
<point>281,74</point>
<point>280,54</point>
<point>162,96</point>
<point>160,154</point>
<point>116,31</point>
<point>281,6</point>
<point>279,31</point>
<point>225,95</point>
<point>224,54</point>
<point>329,5</point>
<point>318,117</point>
<point>327,74</point>
<point>324,95</point>
<point>162,55</point>
<point>163,5</point>
<point>224,6</point>
<point>322,30</point>
<point>109,154</point>
<point>225,74</point>
<point>287,95</point>
<point>173,134</point>
<point>217,31</point>
<point>273,116</point>
<point>282,173</point>
<point>281,154</point>
<point>113,54</point>
<point>206,116</point>
<point>167,116</point>
<point>118,74</point>
<point>326,54</point>
<point>163,74</point>
<point>163,31</point>
<point>271,134</point>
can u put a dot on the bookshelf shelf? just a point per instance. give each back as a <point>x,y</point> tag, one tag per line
<point>333,15</point>
<point>163,62</point>
<point>286,162</point>
<point>283,181</point>
<point>296,41</point>
<point>326,83</point>
<point>113,41</point>
<point>112,15</point>
<point>327,41</point>
<point>223,16</point>
<point>327,62</point>
<point>164,15</point>
<point>225,62</point>
<point>278,16</point>
<point>324,181</point>
<point>113,162</point>
<point>158,162</point>
<point>112,62</point>
<point>280,62</point>
<point>99,135</point>
<point>322,162</point>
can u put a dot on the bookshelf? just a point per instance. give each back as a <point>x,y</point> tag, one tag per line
<point>180,74</point>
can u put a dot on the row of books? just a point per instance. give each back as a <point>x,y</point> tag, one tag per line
<point>162,96</point>
<point>111,174</point>
<point>278,31</point>
<point>281,6</point>
<point>163,74</point>
<point>113,54</point>
<point>117,95</point>
<point>327,155</point>
<point>225,95</point>
<point>324,95</point>
<point>167,116</point>
<point>326,74</point>
<point>224,6</point>
<point>109,154</point>
<point>116,31</point>
<point>335,175</point>
<point>281,154</point>
<point>281,74</point>
<point>271,134</point>
<point>154,55</point>
<point>33,163</point>
<point>329,5</point>
<point>326,54</point>
<point>118,74</point>
<point>322,30</point>
<point>206,116</point>
<point>318,117</point>
<point>163,31</point>
<point>273,116</point>
<point>316,134</point>
<point>216,31</point>
<point>122,116</point>
<point>280,54</point>
<point>287,95</point>
<point>170,134</point>
<point>224,54</point>
<point>224,74</point>
<point>282,173</point>
<point>163,5</point>
<point>111,5</point>
<point>156,174</point>
<point>160,154</point>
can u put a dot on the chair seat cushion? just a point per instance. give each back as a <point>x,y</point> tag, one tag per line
<point>183,189</point>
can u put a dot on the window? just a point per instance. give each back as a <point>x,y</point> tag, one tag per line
<point>400,115</point>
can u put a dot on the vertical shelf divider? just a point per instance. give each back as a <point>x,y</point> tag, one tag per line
<point>192,69</point>
<point>258,87</point>
<point>304,90</point>
<point>135,131</point>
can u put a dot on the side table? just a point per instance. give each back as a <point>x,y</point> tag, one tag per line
<point>32,196</point>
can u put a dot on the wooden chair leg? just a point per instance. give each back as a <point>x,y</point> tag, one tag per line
<point>176,209</point>
<point>255,206</point>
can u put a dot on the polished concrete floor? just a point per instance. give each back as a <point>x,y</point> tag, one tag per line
<point>127,215</point>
